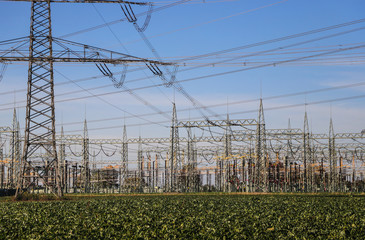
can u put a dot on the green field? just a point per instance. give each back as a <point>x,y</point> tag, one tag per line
<point>187,216</point>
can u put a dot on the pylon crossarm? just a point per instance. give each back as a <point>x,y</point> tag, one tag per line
<point>78,60</point>
<point>14,46</point>
<point>68,51</point>
<point>87,50</point>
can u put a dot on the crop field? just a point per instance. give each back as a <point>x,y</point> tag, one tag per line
<point>187,216</point>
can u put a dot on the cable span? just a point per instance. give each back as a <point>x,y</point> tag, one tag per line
<point>234,49</point>
<point>279,96</point>
<point>242,112</point>
<point>123,19</point>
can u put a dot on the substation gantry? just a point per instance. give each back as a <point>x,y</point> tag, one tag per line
<point>213,155</point>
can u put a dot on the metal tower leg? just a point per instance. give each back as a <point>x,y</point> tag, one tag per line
<point>40,112</point>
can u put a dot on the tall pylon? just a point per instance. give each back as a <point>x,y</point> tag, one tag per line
<point>124,163</point>
<point>260,152</point>
<point>85,160</point>
<point>332,158</point>
<point>306,152</point>
<point>62,160</point>
<point>140,164</point>
<point>227,154</point>
<point>191,163</point>
<point>15,151</point>
<point>174,154</point>
<point>289,143</point>
<point>40,112</point>
<point>288,159</point>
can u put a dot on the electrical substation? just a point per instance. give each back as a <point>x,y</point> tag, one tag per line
<point>206,155</point>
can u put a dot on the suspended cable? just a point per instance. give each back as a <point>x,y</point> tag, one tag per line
<point>109,103</point>
<point>171,82</point>
<point>139,98</point>
<point>252,111</point>
<point>352,85</point>
<point>121,20</point>
<point>247,46</point>
<point>208,22</point>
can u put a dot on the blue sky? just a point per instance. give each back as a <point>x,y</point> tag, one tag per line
<point>196,28</point>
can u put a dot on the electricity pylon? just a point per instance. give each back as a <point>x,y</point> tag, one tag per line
<point>174,151</point>
<point>40,111</point>
<point>261,158</point>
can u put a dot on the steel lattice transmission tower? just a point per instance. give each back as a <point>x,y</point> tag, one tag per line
<point>332,159</point>
<point>40,111</point>
<point>124,163</point>
<point>261,158</point>
<point>306,152</point>
<point>85,159</point>
<point>175,160</point>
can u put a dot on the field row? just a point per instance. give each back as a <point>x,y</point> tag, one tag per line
<point>187,216</point>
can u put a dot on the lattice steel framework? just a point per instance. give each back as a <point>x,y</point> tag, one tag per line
<point>85,160</point>
<point>140,164</point>
<point>332,159</point>
<point>227,153</point>
<point>306,152</point>
<point>260,154</point>
<point>191,160</point>
<point>15,151</point>
<point>124,164</point>
<point>174,150</point>
<point>284,160</point>
<point>62,161</point>
<point>40,113</point>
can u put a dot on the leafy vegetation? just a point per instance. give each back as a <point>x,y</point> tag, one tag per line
<point>37,197</point>
<point>187,216</point>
